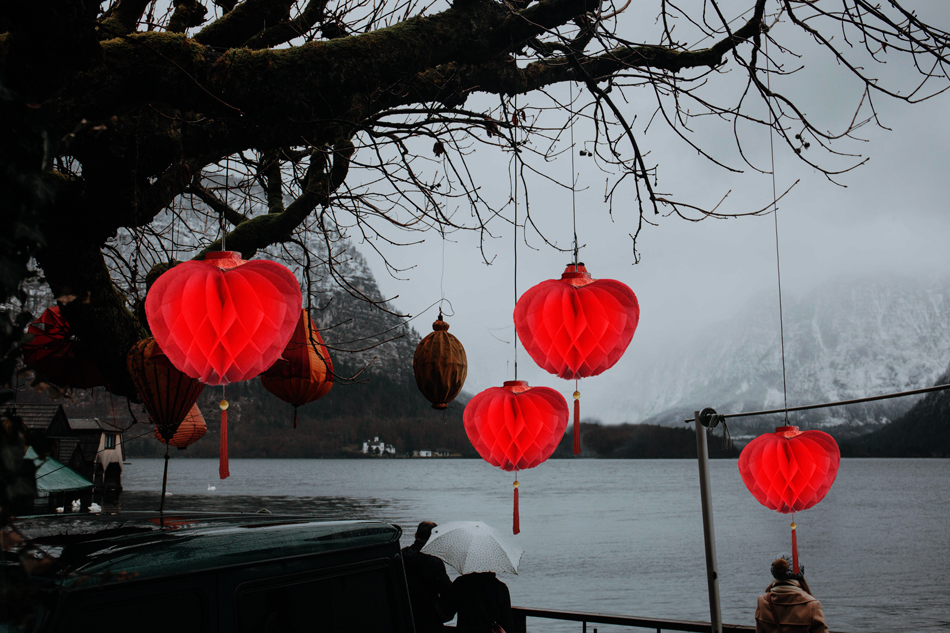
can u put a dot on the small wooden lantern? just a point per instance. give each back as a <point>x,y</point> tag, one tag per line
<point>440,365</point>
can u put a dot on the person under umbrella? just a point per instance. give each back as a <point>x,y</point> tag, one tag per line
<point>483,603</point>
<point>430,590</point>
<point>478,552</point>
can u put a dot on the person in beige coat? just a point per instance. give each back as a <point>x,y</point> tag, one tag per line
<point>787,605</point>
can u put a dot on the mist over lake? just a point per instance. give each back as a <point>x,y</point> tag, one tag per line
<point>625,536</point>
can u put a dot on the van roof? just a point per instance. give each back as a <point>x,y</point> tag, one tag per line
<point>93,550</point>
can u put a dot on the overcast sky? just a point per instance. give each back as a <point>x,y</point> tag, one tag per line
<point>890,217</point>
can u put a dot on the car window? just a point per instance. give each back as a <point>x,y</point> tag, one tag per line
<point>356,601</point>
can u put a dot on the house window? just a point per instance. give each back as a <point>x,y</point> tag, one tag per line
<point>110,440</point>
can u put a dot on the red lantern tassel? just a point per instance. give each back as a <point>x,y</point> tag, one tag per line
<point>516,523</point>
<point>577,422</point>
<point>223,471</point>
<point>295,417</point>
<point>794,549</point>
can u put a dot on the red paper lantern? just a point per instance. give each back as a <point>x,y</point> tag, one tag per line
<point>53,353</point>
<point>515,427</point>
<point>305,372</point>
<point>789,471</point>
<point>577,327</point>
<point>189,431</point>
<point>224,320</point>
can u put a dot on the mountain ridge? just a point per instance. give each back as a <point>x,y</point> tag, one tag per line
<point>844,340</point>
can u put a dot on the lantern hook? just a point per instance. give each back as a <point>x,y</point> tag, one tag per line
<point>709,418</point>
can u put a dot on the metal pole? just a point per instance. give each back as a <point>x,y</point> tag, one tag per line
<point>709,535</point>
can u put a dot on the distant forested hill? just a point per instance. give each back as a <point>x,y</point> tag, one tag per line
<point>640,441</point>
<point>924,431</point>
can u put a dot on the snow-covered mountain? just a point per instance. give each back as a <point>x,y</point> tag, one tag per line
<point>844,340</point>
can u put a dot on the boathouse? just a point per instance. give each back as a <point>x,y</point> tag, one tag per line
<point>91,447</point>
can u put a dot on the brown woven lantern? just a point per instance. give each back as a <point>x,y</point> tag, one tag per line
<point>168,394</point>
<point>440,365</point>
<point>191,429</point>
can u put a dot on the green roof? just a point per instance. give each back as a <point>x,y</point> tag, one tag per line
<point>52,476</point>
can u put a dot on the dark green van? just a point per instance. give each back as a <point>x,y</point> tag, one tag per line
<point>243,573</point>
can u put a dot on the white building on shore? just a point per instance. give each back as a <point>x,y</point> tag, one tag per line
<point>378,447</point>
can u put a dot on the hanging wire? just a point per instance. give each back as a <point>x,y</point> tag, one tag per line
<point>778,266</point>
<point>514,138</point>
<point>445,195</point>
<point>570,110</point>
<point>227,189</point>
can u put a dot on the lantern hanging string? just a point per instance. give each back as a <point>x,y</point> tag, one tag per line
<point>570,110</point>
<point>442,275</point>
<point>778,267</point>
<point>514,141</point>
<point>227,191</point>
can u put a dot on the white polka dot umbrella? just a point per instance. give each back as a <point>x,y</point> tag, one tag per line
<point>474,546</point>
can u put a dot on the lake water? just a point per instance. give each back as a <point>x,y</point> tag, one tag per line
<point>624,536</point>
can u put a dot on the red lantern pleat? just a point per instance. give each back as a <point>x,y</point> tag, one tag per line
<point>577,327</point>
<point>516,427</point>
<point>304,372</point>
<point>224,320</point>
<point>167,393</point>
<point>789,470</point>
<point>189,431</point>
<point>53,353</point>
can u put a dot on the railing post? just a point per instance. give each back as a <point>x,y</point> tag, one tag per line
<point>520,620</point>
<point>709,535</point>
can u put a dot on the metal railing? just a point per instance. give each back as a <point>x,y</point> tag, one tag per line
<point>521,615</point>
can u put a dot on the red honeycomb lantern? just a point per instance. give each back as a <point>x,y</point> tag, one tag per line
<point>516,427</point>
<point>224,320</point>
<point>189,431</point>
<point>788,471</point>
<point>576,326</point>
<point>304,372</point>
